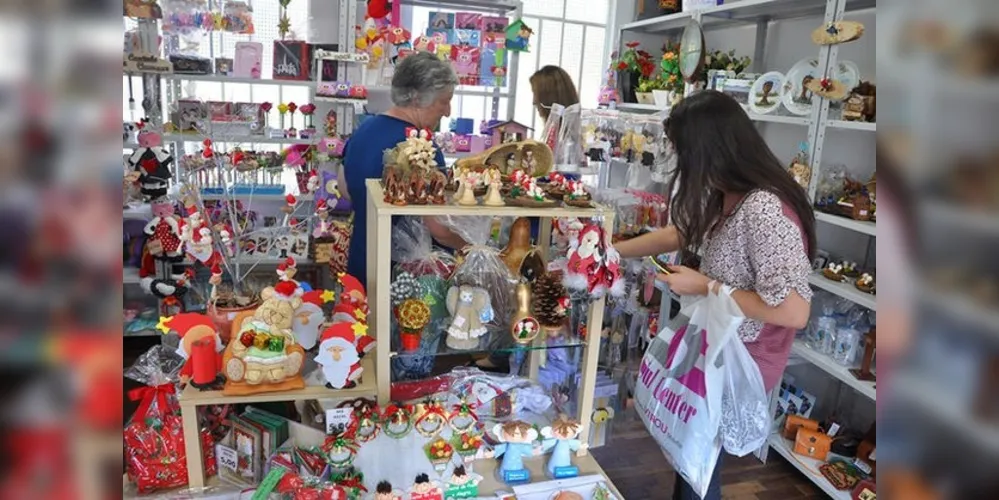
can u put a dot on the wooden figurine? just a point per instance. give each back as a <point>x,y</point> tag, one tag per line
<point>865,371</point>
<point>861,207</point>
<point>837,32</point>
<point>417,188</point>
<point>853,108</point>
<point>436,188</point>
<point>390,183</point>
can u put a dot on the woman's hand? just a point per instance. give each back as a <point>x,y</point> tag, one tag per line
<point>685,281</point>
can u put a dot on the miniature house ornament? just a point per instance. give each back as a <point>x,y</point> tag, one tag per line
<point>516,442</point>
<point>562,439</point>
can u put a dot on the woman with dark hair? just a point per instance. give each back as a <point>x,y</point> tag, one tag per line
<point>735,206</point>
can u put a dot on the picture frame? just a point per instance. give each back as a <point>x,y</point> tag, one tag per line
<point>292,60</point>
<point>223,66</point>
<point>248,59</point>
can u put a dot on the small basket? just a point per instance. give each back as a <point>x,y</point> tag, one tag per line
<point>830,275</point>
<point>871,289</point>
<point>523,201</point>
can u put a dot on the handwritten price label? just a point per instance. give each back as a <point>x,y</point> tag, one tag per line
<point>226,457</point>
<point>338,419</point>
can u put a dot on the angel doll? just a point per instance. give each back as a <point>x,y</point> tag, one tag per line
<point>562,439</point>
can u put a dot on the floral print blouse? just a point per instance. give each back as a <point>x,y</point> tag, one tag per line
<point>761,247</point>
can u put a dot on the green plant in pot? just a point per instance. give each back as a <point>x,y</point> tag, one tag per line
<point>645,87</point>
<point>632,65</point>
<point>723,61</point>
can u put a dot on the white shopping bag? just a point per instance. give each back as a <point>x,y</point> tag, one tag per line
<point>680,386</point>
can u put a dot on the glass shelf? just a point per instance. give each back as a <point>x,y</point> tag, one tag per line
<point>495,341</point>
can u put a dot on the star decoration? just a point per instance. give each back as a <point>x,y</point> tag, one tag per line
<point>284,25</point>
<point>162,325</point>
<point>360,329</point>
<point>360,314</point>
<point>328,296</point>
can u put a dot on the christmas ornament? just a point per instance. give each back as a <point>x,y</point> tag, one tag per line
<point>439,452</point>
<point>256,368</point>
<point>463,417</point>
<point>516,442</point>
<point>413,316</point>
<point>425,489</point>
<point>550,301</point>
<point>594,265</point>
<point>338,356</point>
<point>309,318</point>
<point>430,418</point>
<point>201,345</point>
<point>397,420</point>
<point>340,450</point>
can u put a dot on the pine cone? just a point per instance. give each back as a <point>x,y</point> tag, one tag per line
<point>548,292</point>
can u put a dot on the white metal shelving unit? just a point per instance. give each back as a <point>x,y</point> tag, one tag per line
<point>763,14</point>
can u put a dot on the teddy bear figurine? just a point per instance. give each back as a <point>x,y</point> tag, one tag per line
<point>262,355</point>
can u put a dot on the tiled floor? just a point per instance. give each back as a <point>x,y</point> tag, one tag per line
<point>635,464</point>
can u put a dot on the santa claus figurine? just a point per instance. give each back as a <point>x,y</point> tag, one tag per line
<point>352,292</point>
<point>594,265</point>
<point>338,356</point>
<point>201,345</point>
<point>349,313</point>
<point>309,319</point>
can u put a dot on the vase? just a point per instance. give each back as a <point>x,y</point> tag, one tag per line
<point>645,98</point>
<point>629,82</point>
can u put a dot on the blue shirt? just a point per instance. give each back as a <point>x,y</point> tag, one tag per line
<point>362,159</point>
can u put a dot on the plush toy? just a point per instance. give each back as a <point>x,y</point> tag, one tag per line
<point>164,232</point>
<point>594,265</point>
<point>378,9</point>
<point>470,309</point>
<point>262,355</point>
<point>561,438</point>
<point>516,442</point>
<point>338,356</point>
<point>152,164</point>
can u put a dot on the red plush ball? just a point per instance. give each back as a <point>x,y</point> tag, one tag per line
<point>378,9</point>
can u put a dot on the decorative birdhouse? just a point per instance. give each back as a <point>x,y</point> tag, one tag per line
<point>508,131</point>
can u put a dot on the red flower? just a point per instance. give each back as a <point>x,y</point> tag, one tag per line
<point>632,45</point>
<point>643,53</point>
<point>266,107</point>
<point>621,66</point>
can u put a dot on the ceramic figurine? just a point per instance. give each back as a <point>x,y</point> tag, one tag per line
<point>562,439</point>
<point>470,309</point>
<point>417,188</point>
<point>865,283</point>
<point>493,197</point>
<point>338,356</point>
<point>516,442</point>
<point>201,345</point>
<point>511,163</point>
<point>467,190</point>
<point>529,163</point>
<point>833,272</point>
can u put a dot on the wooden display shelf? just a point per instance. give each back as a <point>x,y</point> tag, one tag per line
<point>826,364</point>
<point>191,398</point>
<point>379,224</point>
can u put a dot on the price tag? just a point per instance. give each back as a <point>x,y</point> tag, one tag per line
<point>833,430</point>
<point>338,419</point>
<point>226,457</point>
<point>863,466</point>
<point>359,108</point>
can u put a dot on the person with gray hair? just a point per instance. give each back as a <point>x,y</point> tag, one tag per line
<point>422,88</point>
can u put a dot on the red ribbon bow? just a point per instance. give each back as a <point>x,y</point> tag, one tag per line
<point>147,394</point>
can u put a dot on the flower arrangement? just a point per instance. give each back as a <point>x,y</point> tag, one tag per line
<point>439,451</point>
<point>672,79</point>
<point>726,61</point>
<point>466,444</point>
<point>635,60</point>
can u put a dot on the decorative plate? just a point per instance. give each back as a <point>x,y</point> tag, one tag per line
<point>796,98</point>
<point>848,73</point>
<point>765,94</point>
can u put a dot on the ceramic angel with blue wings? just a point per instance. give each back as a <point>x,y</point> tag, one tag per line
<point>562,439</point>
